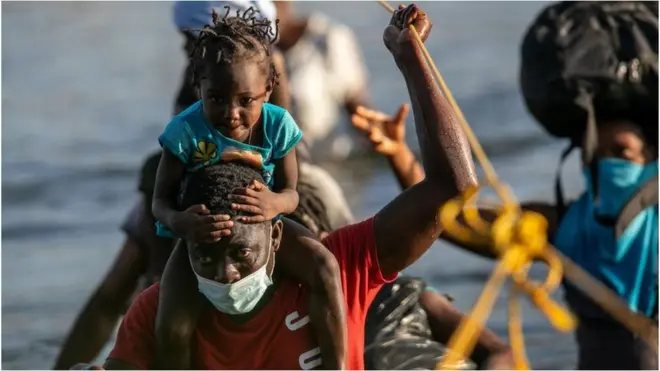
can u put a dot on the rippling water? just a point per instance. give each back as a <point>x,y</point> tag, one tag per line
<point>87,87</point>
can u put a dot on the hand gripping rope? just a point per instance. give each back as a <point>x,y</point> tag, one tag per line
<point>519,237</point>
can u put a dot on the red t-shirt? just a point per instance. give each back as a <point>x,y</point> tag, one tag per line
<point>279,336</point>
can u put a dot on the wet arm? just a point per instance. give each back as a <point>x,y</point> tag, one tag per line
<point>97,320</point>
<point>408,225</point>
<point>444,320</point>
<point>409,172</point>
<point>286,179</point>
<point>168,179</point>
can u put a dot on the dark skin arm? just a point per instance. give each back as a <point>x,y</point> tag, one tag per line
<point>104,308</point>
<point>387,135</point>
<point>168,178</point>
<point>490,352</point>
<point>408,225</point>
<point>286,180</point>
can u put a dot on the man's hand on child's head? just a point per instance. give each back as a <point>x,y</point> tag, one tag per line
<point>258,200</point>
<point>197,223</point>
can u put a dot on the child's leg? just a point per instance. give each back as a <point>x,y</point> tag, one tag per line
<point>307,261</point>
<point>179,308</point>
<point>330,331</point>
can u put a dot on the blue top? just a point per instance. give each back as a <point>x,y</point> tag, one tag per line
<point>628,266</point>
<point>194,140</point>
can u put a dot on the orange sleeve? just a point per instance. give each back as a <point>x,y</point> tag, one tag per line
<point>354,247</point>
<point>136,342</point>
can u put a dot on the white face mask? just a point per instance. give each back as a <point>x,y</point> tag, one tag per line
<point>241,296</point>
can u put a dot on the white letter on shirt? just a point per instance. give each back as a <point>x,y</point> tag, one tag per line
<point>307,360</point>
<point>291,322</point>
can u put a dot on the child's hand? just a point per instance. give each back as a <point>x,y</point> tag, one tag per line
<point>256,199</point>
<point>197,223</point>
<point>386,133</point>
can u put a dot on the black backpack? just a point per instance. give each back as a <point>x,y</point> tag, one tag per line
<point>586,59</point>
<point>605,52</point>
<point>397,332</point>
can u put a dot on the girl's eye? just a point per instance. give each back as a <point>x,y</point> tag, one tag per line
<point>246,101</point>
<point>204,259</point>
<point>215,99</point>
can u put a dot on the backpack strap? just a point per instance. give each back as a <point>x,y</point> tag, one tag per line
<point>560,203</point>
<point>645,196</point>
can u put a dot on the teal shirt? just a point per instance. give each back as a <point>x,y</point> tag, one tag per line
<point>194,140</point>
<point>628,266</point>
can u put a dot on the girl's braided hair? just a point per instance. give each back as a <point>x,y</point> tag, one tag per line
<point>233,38</point>
<point>311,211</point>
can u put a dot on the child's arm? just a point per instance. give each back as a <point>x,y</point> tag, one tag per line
<point>306,260</point>
<point>286,181</point>
<point>168,178</point>
<point>257,199</point>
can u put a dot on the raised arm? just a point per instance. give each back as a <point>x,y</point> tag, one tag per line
<point>387,136</point>
<point>408,225</point>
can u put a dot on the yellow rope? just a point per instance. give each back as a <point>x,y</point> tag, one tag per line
<point>520,237</point>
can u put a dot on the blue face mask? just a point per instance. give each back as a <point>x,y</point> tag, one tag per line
<point>617,181</point>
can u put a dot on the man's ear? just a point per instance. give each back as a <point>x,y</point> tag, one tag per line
<point>276,234</point>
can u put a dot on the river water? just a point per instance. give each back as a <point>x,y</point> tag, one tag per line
<point>89,85</point>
